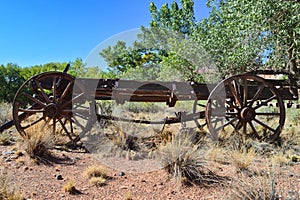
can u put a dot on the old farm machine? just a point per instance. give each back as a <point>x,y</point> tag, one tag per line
<point>247,103</point>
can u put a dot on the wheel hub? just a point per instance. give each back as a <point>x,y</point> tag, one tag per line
<point>248,114</point>
<point>51,110</point>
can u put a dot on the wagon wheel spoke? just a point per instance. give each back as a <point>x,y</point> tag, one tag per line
<point>268,114</point>
<point>265,125</point>
<point>239,125</point>
<point>41,90</point>
<point>73,100</point>
<point>35,100</point>
<point>245,92</point>
<point>257,94</point>
<point>31,110</point>
<point>65,129</point>
<point>254,130</point>
<point>265,102</point>
<point>53,125</point>
<point>230,122</point>
<point>244,128</point>
<point>54,88</point>
<point>235,94</point>
<point>66,91</point>
<point>33,123</point>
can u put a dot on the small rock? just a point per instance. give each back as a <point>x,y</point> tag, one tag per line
<point>58,177</point>
<point>143,181</point>
<point>123,187</point>
<point>5,153</point>
<point>121,174</point>
<point>8,160</point>
<point>25,168</point>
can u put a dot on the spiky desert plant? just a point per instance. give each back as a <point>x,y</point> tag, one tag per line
<point>184,161</point>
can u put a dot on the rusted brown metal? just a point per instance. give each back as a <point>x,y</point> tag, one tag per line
<point>65,104</point>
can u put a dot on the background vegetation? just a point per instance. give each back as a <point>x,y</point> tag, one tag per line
<point>237,36</point>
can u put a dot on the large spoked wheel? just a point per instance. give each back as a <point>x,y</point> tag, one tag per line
<point>52,103</point>
<point>246,104</point>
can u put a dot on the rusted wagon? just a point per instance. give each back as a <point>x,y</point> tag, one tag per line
<point>246,103</point>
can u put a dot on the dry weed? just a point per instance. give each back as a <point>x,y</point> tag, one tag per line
<point>184,161</point>
<point>6,138</point>
<point>5,112</point>
<point>242,159</point>
<point>97,175</point>
<point>70,188</point>
<point>4,193</point>
<point>38,143</point>
<point>96,171</point>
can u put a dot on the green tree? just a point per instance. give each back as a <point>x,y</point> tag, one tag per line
<point>238,36</point>
<point>243,35</point>
<point>10,80</point>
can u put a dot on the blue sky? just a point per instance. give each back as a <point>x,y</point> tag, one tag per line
<point>41,31</point>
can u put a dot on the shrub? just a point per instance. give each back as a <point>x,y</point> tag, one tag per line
<point>38,143</point>
<point>184,161</point>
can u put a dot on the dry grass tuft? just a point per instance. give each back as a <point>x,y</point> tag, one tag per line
<point>70,188</point>
<point>4,193</point>
<point>242,160</point>
<point>255,188</point>
<point>5,112</point>
<point>6,138</point>
<point>128,195</point>
<point>217,154</point>
<point>39,143</point>
<point>280,159</point>
<point>96,171</point>
<point>98,181</point>
<point>97,175</point>
<point>185,161</point>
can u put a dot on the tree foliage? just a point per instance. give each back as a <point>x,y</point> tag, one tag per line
<point>237,36</point>
<point>243,35</point>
